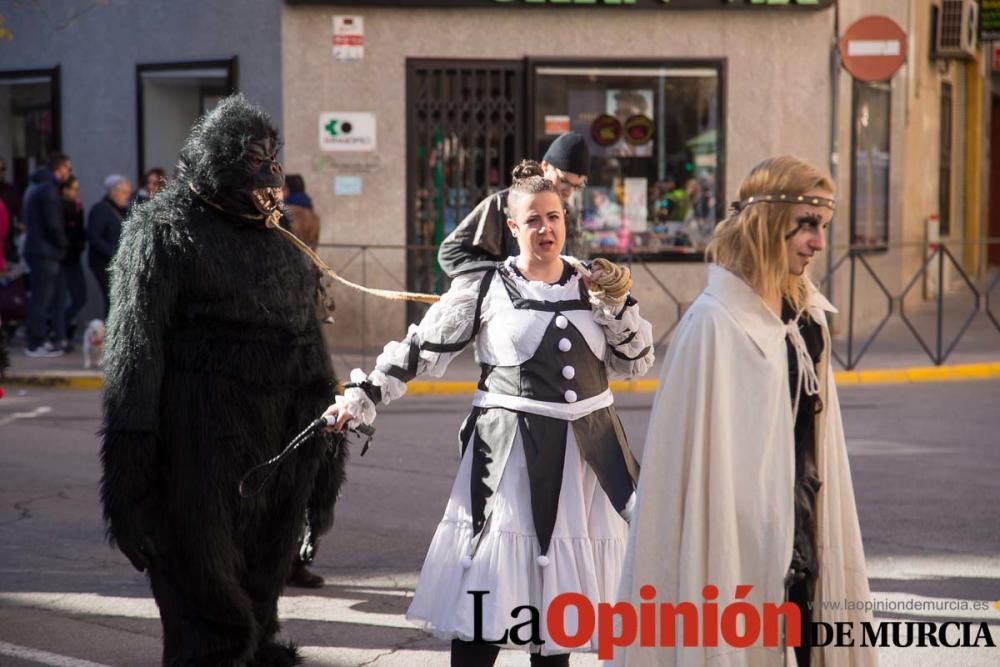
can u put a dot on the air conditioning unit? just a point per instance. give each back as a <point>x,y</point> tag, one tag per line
<point>957,22</point>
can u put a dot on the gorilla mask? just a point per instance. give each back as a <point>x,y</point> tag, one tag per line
<point>231,159</point>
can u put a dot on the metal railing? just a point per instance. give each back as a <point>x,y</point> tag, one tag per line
<point>853,256</point>
<point>855,339</point>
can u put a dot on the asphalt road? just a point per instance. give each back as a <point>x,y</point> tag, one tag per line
<point>926,463</point>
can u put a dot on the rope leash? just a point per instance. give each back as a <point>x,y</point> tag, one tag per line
<point>614,281</point>
<point>392,295</point>
<point>272,220</point>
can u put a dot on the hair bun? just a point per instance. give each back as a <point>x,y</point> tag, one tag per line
<point>527,169</point>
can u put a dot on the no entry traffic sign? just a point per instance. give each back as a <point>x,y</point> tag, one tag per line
<point>873,48</point>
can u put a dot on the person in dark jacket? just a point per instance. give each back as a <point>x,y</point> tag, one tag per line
<point>153,181</point>
<point>44,249</point>
<point>104,227</point>
<point>482,239</point>
<point>4,233</point>
<point>304,220</point>
<point>71,282</point>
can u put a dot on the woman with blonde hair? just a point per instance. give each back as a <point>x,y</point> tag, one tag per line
<point>746,494</point>
<point>546,481</point>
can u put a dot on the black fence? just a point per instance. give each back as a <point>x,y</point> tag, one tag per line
<point>854,338</point>
<point>939,256</point>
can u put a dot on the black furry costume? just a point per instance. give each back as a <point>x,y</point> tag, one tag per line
<point>214,362</point>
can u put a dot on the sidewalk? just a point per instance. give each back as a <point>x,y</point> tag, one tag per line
<point>895,357</point>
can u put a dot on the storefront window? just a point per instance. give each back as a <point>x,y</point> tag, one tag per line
<point>870,170</point>
<point>656,144</point>
<point>172,96</point>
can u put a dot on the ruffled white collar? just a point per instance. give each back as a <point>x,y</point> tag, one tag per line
<point>540,290</point>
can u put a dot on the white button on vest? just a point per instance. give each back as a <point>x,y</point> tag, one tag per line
<point>570,396</point>
<point>569,372</point>
<point>565,345</point>
<point>561,321</point>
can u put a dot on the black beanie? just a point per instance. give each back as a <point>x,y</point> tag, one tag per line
<point>569,152</point>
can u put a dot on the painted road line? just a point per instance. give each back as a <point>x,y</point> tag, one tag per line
<point>44,657</point>
<point>34,414</point>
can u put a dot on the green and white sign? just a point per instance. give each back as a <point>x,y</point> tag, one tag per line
<point>346,131</point>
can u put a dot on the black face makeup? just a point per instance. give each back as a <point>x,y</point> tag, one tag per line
<point>809,221</point>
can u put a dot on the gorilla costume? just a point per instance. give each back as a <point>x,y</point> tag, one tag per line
<point>215,361</point>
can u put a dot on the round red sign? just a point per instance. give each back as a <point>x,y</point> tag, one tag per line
<point>606,130</point>
<point>638,129</point>
<point>873,48</point>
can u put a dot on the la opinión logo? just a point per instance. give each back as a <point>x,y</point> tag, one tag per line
<point>738,624</point>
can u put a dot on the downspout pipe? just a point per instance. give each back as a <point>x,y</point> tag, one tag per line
<point>834,143</point>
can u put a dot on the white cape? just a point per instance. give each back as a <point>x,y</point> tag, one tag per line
<point>715,495</point>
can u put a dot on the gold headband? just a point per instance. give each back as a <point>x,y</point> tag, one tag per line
<point>784,198</point>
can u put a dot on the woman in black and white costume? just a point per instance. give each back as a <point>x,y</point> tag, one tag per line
<point>546,483</point>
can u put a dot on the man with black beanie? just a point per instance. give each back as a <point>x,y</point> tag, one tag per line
<point>482,238</point>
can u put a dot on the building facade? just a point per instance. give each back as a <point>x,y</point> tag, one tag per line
<point>402,114</point>
<point>677,106</point>
<point>116,85</point>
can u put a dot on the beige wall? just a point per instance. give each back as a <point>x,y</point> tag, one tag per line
<point>915,145</point>
<point>777,99</point>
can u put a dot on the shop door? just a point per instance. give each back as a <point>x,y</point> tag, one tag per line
<point>465,132</point>
<point>171,97</point>
<point>29,132</point>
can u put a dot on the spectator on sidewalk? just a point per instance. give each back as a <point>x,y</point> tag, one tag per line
<point>72,282</point>
<point>11,200</point>
<point>4,232</point>
<point>9,194</point>
<point>299,209</point>
<point>104,227</point>
<point>152,182</point>
<point>44,248</point>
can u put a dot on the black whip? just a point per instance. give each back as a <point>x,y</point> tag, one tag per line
<point>272,464</point>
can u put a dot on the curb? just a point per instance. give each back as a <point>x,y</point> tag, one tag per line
<point>54,379</point>
<point>959,372</point>
<point>956,373</point>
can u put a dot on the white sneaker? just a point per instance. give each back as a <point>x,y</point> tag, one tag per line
<point>47,350</point>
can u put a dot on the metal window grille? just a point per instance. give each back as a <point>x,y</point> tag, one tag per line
<point>465,132</point>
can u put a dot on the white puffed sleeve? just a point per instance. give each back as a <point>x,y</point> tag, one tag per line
<point>446,329</point>
<point>629,336</point>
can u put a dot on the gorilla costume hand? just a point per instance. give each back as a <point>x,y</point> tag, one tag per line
<point>128,532</point>
<point>128,496</point>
